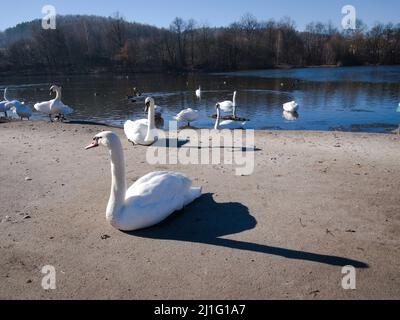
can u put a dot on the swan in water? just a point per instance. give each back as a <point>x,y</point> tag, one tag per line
<point>136,94</point>
<point>229,106</point>
<point>22,110</point>
<point>227,124</point>
<point>290,116</point>
<point>158,111</point>
<point>198,93</point>
<point>291,107</point>
<point>143,132</point>
<point>150,200</point>
<point>188,115</point>
<point>54,107</point>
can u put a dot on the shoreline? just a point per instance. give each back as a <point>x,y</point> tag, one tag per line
<point>112,126</point>
<point>317,201</point>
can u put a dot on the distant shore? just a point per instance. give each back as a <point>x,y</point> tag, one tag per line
<point>101,71</point>
<point>317,201</point>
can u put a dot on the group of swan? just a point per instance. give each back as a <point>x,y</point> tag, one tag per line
<point>151,199</point>
<point>54,107</point>
<point>189,115</point>
<point>145,133</point>
<point>16,106</point>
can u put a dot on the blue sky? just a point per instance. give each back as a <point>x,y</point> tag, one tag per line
<point>213,12</point>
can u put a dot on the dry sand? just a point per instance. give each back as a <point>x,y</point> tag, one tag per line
<point>316,202</point>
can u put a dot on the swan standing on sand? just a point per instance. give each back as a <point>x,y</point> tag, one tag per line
<point>150,200</point>
<point>227,124</point>
<point>4,105</point>
<point>54,107</point>
<point>291,107</point>
<point>187,116</point>
<point>198,93</point>
<point>229,106</point>
<point>22,110</point>
<point>143,132</point>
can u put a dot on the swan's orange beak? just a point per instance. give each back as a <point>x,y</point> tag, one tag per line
<point>94,144</point>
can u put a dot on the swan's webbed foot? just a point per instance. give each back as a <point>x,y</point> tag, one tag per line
<point>51,120</point>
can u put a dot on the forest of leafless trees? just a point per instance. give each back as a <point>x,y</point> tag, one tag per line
<point>83,44</point>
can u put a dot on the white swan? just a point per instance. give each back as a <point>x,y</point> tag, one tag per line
<point>229,106</point>
<point>188,115</point>
<point>198,93</point>
<point>227,124</point>
<point>6,104</point>
<point>290,116</point>
<point>22,110</point>
<point>54,107</point>
<point>291,107</point>
<point>150,200</point>
<point>143,132</point>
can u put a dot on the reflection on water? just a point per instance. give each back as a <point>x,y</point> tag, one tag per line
<point>349,99</point>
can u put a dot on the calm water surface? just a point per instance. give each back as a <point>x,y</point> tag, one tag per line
<point>349,99</point>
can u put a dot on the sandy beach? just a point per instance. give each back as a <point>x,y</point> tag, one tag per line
<point>315,203</point>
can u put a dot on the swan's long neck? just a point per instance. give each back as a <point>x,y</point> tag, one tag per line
<point>118,184</point>
<point>5,94</point>
<point>58,94</point>
<point>217,122</point>
<point>152,123</point>
<point>234,105</point>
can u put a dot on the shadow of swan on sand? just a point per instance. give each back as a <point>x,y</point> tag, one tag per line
<point>208,221</point>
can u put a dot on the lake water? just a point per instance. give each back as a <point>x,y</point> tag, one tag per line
<point>348,99</point>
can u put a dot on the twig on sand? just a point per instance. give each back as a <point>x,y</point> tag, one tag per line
<point>329,232</point>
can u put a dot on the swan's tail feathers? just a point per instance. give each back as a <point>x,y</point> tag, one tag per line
<point>192,195</point>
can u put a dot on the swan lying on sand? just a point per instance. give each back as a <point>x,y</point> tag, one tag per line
<point>150,200</point>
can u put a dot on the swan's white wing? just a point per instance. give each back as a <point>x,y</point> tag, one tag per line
<point>229,124</point>
<point>136,131</point>
<point>226,106</point>
<point>58,107</point>
<point>43,107</point>
<point>188,115</point>
<point>3,106</point>
<point>156,196</point>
